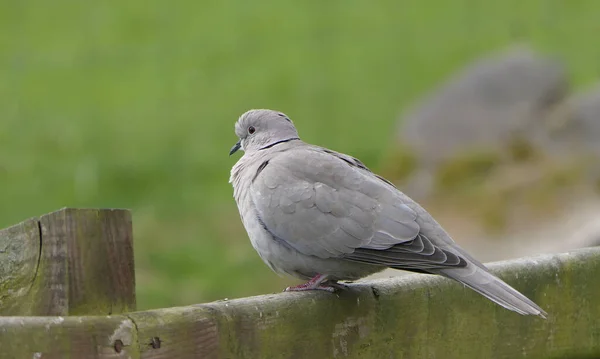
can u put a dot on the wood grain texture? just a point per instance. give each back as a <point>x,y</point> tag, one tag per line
<point>19,254</point>
<point>68,337</point>
<point>95,248</point>
<point>183,332</point>
<point>83,266</point>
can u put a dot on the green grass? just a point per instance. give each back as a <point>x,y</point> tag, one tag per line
<point>132,104</point>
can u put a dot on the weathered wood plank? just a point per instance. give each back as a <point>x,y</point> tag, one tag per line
<point>415,316</point>
<point>97,246</point>
<point>68,337</point>
<point>19,253</point>
<point>184,332</point>
<point>84,264</point>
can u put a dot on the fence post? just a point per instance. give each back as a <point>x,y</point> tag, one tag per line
<point>68,262</point>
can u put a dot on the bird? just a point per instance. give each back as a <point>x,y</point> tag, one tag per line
<point>324,217</point>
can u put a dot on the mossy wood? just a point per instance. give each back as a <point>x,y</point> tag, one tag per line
<point>69,262</point>
<point>416,316</point>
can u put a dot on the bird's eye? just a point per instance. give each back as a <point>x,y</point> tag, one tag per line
<point>251,129</point>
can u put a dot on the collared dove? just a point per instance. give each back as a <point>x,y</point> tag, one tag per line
<point>323,216</point>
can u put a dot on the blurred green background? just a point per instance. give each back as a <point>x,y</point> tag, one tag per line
<point>132,104</point>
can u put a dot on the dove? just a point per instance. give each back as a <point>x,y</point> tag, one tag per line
<point>324,217</point>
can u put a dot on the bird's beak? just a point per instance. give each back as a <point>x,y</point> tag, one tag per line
<point>235,147</point>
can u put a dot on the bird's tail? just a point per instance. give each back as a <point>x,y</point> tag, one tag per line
<point>483,282</point>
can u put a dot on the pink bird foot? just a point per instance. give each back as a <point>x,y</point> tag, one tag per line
<point>318,282</point>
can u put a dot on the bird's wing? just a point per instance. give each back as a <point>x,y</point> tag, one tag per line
<point>326,204</point>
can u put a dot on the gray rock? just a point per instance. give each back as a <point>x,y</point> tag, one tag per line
<point>484,107</point>
<point>575,134</point>
<point>585,123</point>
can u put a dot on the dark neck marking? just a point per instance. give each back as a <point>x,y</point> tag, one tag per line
<point>259,170</point>
<point>278,142</point>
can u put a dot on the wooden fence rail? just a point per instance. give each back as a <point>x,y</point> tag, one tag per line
<point>415,316</point>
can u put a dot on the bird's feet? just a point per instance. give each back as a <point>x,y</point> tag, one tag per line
<point>318,282</point>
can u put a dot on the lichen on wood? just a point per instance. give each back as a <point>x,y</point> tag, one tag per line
<point>68,337</point>
<point>68,262</point>
<point>19,258</point>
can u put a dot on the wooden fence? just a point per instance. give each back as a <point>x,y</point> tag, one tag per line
<point>67,291</point>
